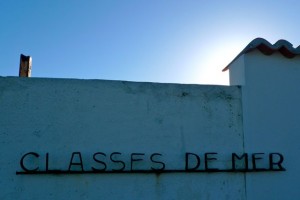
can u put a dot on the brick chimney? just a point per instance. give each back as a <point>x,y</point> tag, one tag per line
<point>25,66</point>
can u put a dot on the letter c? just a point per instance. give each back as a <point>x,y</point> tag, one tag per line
<point>22,162</point>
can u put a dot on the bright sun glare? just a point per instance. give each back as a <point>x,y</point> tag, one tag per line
<point>219,56</point>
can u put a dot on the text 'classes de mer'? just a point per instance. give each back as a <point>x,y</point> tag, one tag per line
<point>117,162</point>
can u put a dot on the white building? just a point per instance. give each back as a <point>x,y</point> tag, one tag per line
<point>96,139</point>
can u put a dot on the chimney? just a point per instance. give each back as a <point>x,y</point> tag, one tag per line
<point>25,66</point>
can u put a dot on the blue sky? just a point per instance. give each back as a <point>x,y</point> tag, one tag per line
<point>169,41</point>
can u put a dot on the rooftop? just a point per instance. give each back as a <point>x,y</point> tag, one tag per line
<point>282,46</point>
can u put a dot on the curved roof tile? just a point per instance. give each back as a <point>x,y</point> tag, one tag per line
<point>265,47</point>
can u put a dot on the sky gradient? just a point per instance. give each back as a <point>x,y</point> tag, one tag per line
<point>167,41</point>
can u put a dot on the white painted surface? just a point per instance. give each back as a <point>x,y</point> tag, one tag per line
<point>237,71</point>
<point>62,116</point>
<point>271,110</point>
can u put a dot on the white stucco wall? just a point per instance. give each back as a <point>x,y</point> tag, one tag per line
<point>271,110</point>
<point>61,116</point>
<point>237,71</point>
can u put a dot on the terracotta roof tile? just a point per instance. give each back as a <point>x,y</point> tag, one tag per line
<point>265,47</point>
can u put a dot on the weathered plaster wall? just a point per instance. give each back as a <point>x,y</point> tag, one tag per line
<point>61,116</point>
